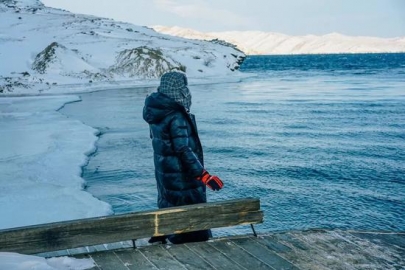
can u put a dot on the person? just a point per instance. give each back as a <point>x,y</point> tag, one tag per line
<point>178,155</point>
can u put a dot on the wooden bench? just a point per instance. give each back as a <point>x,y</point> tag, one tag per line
<point>115,228</point>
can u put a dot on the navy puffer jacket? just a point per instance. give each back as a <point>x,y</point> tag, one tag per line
<point>178,154</point>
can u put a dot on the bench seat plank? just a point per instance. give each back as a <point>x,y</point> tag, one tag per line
<point>108,229</point>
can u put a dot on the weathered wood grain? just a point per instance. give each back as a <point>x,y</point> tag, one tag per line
<point>188,258</point>
<point>335,249</point>
<point>301,250</point>
<point>134,260</point>
<point>94,231</point>
<point>271,243</point>
<point>391,240</point>
<point>161,258</point>
<point>107,261</point>
<point>215,258</point>
<point>260,252</point>
<point>238,255</point>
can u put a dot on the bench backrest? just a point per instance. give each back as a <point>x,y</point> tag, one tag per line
<point>115,228</point>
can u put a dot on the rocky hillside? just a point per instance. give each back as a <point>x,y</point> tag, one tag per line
<point>43,48</point>
<point>257,42</point>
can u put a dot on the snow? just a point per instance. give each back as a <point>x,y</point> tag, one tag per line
<point>14,261</point>
<point>47,49</point>
<point>257,42</point>
<point>41,158</point>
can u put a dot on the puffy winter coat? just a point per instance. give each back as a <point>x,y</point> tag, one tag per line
<point>178,154</point>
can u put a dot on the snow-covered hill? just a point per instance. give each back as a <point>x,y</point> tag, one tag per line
<point>42,48</point>
<point>256,42</point>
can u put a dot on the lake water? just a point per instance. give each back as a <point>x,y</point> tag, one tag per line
<point>320,139</point>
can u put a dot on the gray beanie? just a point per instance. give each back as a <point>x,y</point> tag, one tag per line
<point>174,85</point>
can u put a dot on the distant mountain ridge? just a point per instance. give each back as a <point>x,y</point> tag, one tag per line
<point>42,48</point>
<point>257,42</point>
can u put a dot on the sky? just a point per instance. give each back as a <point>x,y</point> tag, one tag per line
<point>379,18</point>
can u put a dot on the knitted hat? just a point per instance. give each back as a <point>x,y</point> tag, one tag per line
<point>174,85</point>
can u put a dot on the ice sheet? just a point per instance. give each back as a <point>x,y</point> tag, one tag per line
<point>42,152</point>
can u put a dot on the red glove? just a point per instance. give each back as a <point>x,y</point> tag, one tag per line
<point>211,181</point>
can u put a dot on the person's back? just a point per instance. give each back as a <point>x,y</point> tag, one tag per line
<point>178,154</point>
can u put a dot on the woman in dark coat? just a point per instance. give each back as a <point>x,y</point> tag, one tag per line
<point>178,155</point>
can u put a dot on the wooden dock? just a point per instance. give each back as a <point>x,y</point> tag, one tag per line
<point>313,249</point>
<point>110,240</point>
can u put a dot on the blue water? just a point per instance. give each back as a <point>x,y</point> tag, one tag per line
<point>319,138</point>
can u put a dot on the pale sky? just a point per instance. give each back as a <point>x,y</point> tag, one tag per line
<point>380,18</point>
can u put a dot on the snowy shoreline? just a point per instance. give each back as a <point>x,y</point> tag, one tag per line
<point>45,152</point>
<point>77,89</point>
<point>41,163</point>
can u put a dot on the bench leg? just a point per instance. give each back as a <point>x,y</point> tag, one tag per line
<point>133,243</point>
<point>253,229</point>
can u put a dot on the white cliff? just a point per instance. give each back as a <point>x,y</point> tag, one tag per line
<point>257,42</point>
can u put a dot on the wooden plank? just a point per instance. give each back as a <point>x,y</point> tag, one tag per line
<point>338,249</point>
<point>161,258</point>
<point>293,242</point>
<point>374,249</point>
<point>213,257</point>
<point>272,243</point>
<point>87,256</point>
<point>300,254</point>
<point>94,231</point>
<point>87,249</point>
<point>264,254</point>
<point>135,260</point>
<point>385,239</point>
<point>323,251</point>
<point>108,261</point>
<point>240,256</point>
<point>195,222</point>
<point>187,257</point>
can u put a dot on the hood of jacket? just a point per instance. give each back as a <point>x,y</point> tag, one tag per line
<point>158,106</point>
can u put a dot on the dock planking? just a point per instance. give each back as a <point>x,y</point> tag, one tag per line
<point>312,249</point>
